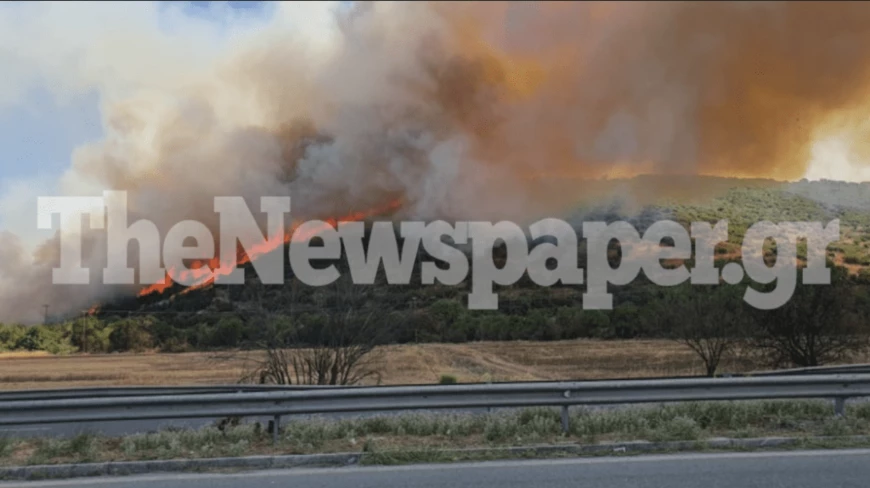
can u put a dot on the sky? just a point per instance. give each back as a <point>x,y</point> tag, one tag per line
<point>38,133</point>
<point>49,106</point>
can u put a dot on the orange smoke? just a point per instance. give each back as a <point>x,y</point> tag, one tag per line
<point>205,272</point>
<point>718,88</point>
<point>550,93</point>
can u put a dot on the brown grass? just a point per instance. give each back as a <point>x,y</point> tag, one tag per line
<point>404,364</point>
<point>23,354</point>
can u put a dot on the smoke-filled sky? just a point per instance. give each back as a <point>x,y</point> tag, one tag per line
<point>455,108</point>
<point>60,70</point>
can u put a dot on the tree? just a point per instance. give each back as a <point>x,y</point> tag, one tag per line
<point>709,320</point>
<point>132,334</point>
<point>90,335</point>
<point>33,340</point>
<point>443,320</point>
<point>10,335</point>
<point>820,324</point>
<point>331,346</point>
<point>228,332</point>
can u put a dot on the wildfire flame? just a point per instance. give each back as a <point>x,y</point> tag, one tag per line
<point>205,272</point>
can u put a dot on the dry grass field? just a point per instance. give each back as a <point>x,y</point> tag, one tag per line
<point>404,364</point>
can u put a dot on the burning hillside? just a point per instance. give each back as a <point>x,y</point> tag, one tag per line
<point>205,273</point>
<point>455,110</point>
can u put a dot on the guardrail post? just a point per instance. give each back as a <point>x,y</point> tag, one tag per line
<point>840,406</point>
<point>566,420</point>
<point>276,428</point>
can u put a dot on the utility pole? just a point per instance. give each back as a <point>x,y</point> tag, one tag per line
<point>45,314</point>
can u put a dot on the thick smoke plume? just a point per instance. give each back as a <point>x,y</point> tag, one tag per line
<point>471,111</point>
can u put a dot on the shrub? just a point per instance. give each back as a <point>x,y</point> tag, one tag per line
<point>131,334</point>
<point>447,379</point>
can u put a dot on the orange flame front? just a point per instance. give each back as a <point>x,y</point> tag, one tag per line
<point>204,273</point>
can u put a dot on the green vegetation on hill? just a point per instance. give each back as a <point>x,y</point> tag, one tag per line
<point>234,316</point>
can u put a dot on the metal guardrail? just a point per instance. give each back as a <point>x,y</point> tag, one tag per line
<point>841,369</point>
<point>282,402</point>
<point>130,391</point>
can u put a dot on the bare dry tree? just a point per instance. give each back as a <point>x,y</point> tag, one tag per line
<point>708,320</point>
<point>331,345</point>
<point>821,324</point>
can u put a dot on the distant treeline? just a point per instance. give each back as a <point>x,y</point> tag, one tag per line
<point>236,316</point>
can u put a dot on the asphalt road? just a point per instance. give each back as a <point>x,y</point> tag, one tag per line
<point>807,469</point>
